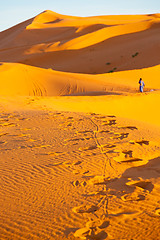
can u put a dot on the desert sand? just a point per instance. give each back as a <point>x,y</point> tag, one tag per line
<point>80,146</point>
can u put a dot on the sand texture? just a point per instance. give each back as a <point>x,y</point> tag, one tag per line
<point>79,145</point>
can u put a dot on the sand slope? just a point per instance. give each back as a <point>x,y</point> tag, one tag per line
<point>67,175</point>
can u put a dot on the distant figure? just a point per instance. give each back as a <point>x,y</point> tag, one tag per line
<point>141,85</point>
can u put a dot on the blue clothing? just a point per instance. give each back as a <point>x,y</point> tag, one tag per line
<point>141,83</point>
<point>141,88</point>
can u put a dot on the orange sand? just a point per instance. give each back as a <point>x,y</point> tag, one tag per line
<point>80,146</point>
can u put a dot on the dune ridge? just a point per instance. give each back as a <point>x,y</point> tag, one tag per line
<point>92,45</point>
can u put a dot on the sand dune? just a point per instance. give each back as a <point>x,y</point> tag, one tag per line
<point>23,80</point>
<point>80,146</point>
<point>20,79</point>
<point>83,45</point>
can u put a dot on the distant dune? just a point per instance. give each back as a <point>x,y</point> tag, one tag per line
<point>93,46</point>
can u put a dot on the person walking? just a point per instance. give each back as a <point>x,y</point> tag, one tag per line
<point>141,85</point>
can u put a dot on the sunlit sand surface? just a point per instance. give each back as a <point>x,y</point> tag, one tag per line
<point>80,146</point>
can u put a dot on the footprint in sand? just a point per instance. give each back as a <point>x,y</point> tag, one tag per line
<point>3,142</point>
<point>99,180</point>
<point>3,134</point>
<point>95,194</point>
<point>111,116</point>
<point>126,156</point>
<point>104,131</point>
<point>71,118</point>
<point>84,132</point>
<point>77,163</point>
<point>133,197</point>
<point>74,139</point>
<point>108,146</point>
<point>40,146</point>
<point>93,230</point>
<point>8,125</point>
<point>120,136</point>
<point>22,119</point>
<point>54,153</point>
<point>128,127</point>
<point>143,184</point>
<point>100,117</point>
<point>79,183</point>
<point>58,113</point>
<point>88,148</point>
<point>109,122</point>
<point>141,142</point>
<point>126,214</point>
<point>157,212</point>
<point>97,223</point>
<point>141,187</point>
<point>127,153</point>
<point>93,114</point>
<point>85,209</point>
<point>132,160</point>
<point>69,125</point>
<point>76,183</point>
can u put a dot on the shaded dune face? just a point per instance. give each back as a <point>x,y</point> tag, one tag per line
<point>88,45</point>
